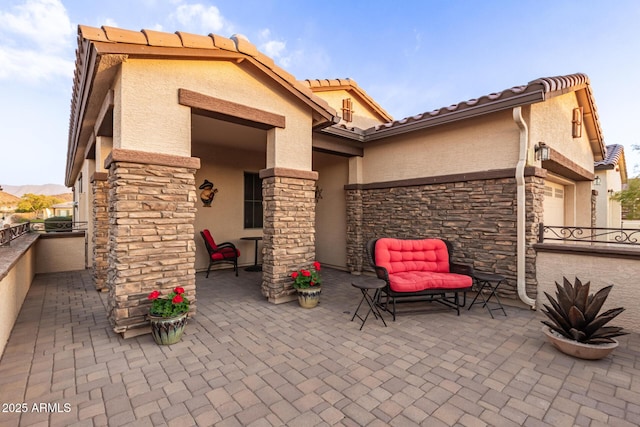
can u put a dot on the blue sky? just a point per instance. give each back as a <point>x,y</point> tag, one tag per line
<point>410,56</point>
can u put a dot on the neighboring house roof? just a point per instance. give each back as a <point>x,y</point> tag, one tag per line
<point>614,153</point>
<point>535,91</point>
<point>614,157</point>
<point>100,50</point>
<point>65,205</point>
<point>325,85</point>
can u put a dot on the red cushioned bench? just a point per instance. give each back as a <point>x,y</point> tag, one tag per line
<point>418,270</point>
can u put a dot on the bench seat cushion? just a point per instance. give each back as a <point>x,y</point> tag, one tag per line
<point>415,281</point>
<point>398,255</point>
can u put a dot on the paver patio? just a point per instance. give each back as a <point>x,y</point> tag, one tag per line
<point>244,361</point>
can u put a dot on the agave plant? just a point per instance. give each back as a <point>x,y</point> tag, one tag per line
<point>574,313</point>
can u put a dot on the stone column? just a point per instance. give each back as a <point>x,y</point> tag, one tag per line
<point>100,218</point>
<point>355,241</point>
<point>288,230</point>
<point>151,233</point>
<point>534,190</point>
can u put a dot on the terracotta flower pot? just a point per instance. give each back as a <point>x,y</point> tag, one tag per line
<point>309,297</point>
<point>579,349</point>
<point>167,330</point>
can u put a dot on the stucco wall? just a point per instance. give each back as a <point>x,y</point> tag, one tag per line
<point>363,118</point>
<point>60,252</point>
<point>609,212</point>
<point>486,143</point>
<point>550,122</point>
<point>166,128</point>
<point>551,267</point>
<point>225,167</point>
<point>331,217</point>
<point>17,270</point>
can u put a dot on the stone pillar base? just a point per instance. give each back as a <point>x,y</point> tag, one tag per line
<point>355,242</point>
<point>288,230</point>
<point>151,234</point>
<point>100,263</point>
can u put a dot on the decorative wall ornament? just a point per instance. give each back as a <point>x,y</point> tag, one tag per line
<point>318,195</point>
<point>208,193</point>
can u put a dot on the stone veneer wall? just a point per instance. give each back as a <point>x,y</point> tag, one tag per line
<point>478,216</point>
<point>288,230</point>
<point>151,234</point>
<point>594,203</point>
<point>100,218</point>
<point>355,241</point>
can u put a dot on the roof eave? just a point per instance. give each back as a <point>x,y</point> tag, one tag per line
<point>525,98</point>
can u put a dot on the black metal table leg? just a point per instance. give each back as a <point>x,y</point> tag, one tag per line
<point>371,301</point>
<point>484,281</point>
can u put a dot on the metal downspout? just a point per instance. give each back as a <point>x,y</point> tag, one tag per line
<point>521,248</point>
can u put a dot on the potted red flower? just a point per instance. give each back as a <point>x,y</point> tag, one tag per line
<point>168,315</point>
<point>307,284</point>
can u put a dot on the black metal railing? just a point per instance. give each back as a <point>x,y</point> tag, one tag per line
<point>622,236</point>
<point>7,234</point>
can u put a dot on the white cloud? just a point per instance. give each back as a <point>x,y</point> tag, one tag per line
<point>110,22</point>
<point>264,34</point>
<point>36,36</point>
<point>274,48</point>
<point>32,66</point>
<point>201,18</point>
<point>42,22</point>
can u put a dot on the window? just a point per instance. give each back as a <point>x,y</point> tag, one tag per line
<point>252,200</point>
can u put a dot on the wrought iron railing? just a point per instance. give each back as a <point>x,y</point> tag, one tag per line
<point>7,234</point>
<point>622,236</point>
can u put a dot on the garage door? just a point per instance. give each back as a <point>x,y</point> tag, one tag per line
<point>553,203</point>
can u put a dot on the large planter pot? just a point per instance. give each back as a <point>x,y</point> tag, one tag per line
<point>167,330</point>
<point>309,297</point>
<point>578,349</point>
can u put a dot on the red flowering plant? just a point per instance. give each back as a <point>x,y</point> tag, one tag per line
<point>171,305</point>
<point>303,278</point>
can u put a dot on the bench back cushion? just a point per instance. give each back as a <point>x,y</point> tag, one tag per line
<point>398,255</point>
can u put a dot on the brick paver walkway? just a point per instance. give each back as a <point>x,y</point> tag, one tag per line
<point>243,361</point>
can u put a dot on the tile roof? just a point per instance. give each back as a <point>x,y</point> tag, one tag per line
<point>100,49</point>
<point>535,91</point>
<point>614,159</point>
<point>614,154</point>
<point>236,44</point>
<point>349,85</point>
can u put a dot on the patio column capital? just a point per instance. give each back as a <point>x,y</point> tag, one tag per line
<point>288,173</point>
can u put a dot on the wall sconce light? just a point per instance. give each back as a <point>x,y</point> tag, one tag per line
<point>597,180</point>
<point>610,191</point>
<point>577,122</point>
<point>542,151</point>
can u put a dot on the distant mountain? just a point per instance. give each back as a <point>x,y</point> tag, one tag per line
<point>46,189</point>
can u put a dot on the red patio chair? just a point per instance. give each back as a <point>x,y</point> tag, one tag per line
<point>223,253</point>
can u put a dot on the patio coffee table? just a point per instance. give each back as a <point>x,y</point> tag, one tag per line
<point>364,288</point>
<point>490,282</point>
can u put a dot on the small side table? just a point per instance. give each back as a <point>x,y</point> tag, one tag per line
<point>490,282</point>
<point>255,266</point>
<point>371,302</point>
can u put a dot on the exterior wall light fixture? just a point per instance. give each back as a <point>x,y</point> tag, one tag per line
<point>542,151</point>
<point>577,122</point>
<point>597,180</point>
